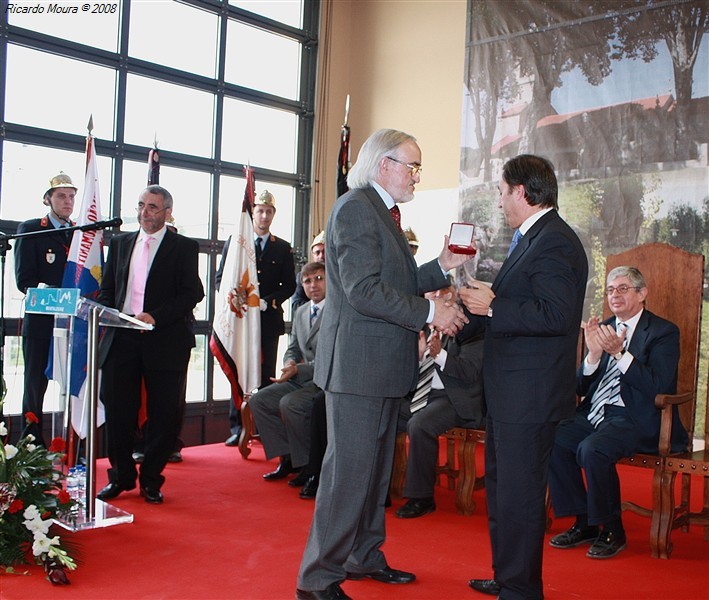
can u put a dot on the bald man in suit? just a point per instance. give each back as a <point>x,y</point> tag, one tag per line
<point>158,358</point>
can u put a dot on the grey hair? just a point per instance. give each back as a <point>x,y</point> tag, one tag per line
<point>634,275</point>
<point>160,191</point>
<point>378,145</point>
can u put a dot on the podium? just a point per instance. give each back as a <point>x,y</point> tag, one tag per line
<point>68,307</point>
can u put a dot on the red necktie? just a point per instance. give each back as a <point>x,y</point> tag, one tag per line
<point>396,215</point>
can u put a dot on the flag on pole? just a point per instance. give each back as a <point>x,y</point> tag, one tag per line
<point>154,165</point>
<point>84,270</point>
<point>343,159</point>
<point>236,337</point>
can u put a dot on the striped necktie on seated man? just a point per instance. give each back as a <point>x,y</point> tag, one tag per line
<point>608,390</point>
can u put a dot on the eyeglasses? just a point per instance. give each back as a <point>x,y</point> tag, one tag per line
<point>621,289</point>
<point>415,169</point>
<point>313,279</point>
<point>151,209</point>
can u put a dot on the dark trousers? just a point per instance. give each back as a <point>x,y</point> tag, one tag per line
<point>318,436</point>
<point>121,394</point>
<point>35,351</point>
<point>578,446</point>
<point>423,428</point>
<point>516,473</point>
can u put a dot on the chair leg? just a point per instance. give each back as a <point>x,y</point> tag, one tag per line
<point>466,477</point>
<point>247,429</point>
<point>398,473</point>
<point>663,514</point>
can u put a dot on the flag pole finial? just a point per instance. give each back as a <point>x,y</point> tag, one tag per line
<point>347,110</point>
<point>90,124</point>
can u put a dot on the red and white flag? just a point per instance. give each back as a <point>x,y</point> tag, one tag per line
<point>236,336</point>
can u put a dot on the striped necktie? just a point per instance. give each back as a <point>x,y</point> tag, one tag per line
<point>608,390</point>
<point>313,315</point>
<point>423,387</point>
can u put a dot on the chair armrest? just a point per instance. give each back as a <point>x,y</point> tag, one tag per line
<point>665,402</point>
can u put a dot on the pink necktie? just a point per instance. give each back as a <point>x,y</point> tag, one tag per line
<point>140,277</point>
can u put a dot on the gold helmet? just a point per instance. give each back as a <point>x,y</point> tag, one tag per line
<point>62,180</point>
<point>411,237</point>
<point>266,198</point>
<point>319,239</point>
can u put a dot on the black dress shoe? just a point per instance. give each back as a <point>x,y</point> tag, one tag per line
<point>175,457</point>
<point>385,575</point>
<point>151,495</point>
<point>233,439</point>
<point>285,468</point>
<point>331,592</point>
<point>299,480</point>
<point>112,490</point>
<point>310,489</point>
<point>416,507</point>
<point>607,545</point>
<point>486,586</point>
<point>574,536</point>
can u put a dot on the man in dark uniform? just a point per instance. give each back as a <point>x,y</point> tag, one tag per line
<point>41,260</point>
<point>276,280</point>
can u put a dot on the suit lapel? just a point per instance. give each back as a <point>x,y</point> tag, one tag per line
<point>381,209</point>
<point>524,244</point>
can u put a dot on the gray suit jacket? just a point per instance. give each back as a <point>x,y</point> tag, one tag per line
<point>368,341</point>
<point>303,343</point>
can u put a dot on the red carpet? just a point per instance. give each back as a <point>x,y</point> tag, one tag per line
<point>225,533</point>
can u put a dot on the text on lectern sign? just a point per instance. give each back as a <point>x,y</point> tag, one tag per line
<point>52,301</point>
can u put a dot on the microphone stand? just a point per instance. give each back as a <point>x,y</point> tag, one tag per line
<point>4,247</point>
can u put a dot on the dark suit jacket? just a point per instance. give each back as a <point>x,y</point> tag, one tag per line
<point>172,291</point>
<point>655,350</point>
<point>462,380</point>
<point>40,260</point>
<point>368,343</point>
<point>276,279</point>
<point>530,342</point>
<point>276,282</point>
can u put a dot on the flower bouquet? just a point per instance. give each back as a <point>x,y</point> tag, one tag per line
<point>31,497</point>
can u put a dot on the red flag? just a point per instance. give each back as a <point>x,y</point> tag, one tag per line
<point>343,161</point>
<point>236,336</point>
<point>154,167</point>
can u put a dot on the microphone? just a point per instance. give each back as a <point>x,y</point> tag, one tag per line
<point>115,222</point>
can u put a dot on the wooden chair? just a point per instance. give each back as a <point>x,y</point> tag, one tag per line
<point>694,463</point>
<point>247,428</point>
<point>459,467</point>
<point>675,281</point>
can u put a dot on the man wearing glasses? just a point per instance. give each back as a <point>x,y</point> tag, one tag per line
<point>632,357</point>
<point>282,410</point>
<point>153,275</point>
<point>367,361</point>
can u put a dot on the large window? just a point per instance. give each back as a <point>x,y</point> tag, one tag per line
<point>216,84</point>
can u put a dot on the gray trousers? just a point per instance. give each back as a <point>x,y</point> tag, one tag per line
<point>347,529</point>
<point>282,415</point>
